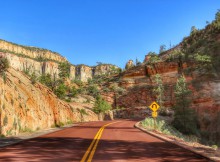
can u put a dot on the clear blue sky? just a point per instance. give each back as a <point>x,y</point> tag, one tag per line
<point>108,31</point>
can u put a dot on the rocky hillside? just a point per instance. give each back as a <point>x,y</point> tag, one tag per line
<point>28,107</point>
<point>42,61</point>
<point>197,57</point>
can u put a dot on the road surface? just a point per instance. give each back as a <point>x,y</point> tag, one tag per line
<point>98,142</point>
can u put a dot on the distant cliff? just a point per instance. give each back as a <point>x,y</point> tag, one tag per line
<point>42,61</point>
<point>31,52</point>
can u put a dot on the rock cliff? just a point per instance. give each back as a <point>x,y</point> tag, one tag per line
<point>26,107</point>
<point>31,52</point>
<point>42,61</point>
<point>199,62</point>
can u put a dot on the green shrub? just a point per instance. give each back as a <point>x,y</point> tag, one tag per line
<point>68,99</point>
<point>93,90</point>
<point>59,124</point>
<point>60,91</point>
<point>73,92</point>
<point>33,78</point>
<point>101,105</point>
<point>26,130</point>
<point>64,69</point>
<point>4,64</point>
<point>4,77</point>
<point>78,82</point>
<point>153,58</point>
<point>83,112</point>
<point>163,127</point>
<point>46,80</point>
<point>214,147</point>
<point>5,121</point>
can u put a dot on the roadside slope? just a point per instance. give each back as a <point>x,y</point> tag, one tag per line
<point>27,107</point>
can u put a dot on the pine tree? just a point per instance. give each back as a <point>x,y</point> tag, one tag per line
<point>64,69</point>
<point>184,117</point>
<point>159,90</point>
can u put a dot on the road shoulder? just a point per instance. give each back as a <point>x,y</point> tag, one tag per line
<point>7,141</point>
<point>200,152</point>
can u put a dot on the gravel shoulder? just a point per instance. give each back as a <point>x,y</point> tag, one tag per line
<point>6,141</point>
<point>197,148</point>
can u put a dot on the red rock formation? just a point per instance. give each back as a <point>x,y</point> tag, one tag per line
<point>27,107</point>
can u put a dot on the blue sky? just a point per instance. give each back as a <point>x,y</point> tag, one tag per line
<point>108,31</point>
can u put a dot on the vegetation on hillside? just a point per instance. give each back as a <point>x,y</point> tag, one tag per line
<point>198,56</point>
<point>158,91</point>
<point>185,119</point>
<point>101,105</point>
<point>4,64</point>
<point>165,128</point>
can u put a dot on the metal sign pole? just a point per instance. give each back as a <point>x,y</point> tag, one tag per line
<point>154,123</point>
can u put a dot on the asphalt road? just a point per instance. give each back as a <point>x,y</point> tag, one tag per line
<point>98,141</point>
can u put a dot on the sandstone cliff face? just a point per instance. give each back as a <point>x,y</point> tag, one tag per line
<point>32,66</point>
<point>72,72</point>
<point>81,72</point>
<point>104,69</point>
<point>26,107</point>
<point>129,64</point>
<point>31,52</point>
<point>205,92</point>
<point>24,58</point>
<point>84,73</point>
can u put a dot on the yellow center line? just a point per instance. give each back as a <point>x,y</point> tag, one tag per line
<point>94,143</point>
<point>90,146</point>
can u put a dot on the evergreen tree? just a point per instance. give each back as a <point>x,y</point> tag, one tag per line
<point>137,62</point>
<point>193,30</point>
<point>184,117</point>
<point>162,48</point>
<point>64,69</point>
<point>159,90</point>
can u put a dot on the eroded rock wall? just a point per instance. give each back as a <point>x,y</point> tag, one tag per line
<point>27,107</point>
<point>31,52</point>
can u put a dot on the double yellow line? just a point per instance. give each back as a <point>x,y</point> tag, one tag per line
<point>94,144</point>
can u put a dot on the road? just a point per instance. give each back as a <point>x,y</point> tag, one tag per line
<point>98,142</point>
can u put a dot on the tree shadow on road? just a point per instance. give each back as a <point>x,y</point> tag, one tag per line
<point>73,149</point>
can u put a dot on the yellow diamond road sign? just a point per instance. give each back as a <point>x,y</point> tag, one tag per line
<point>154,114</point>
<point>154,106</point>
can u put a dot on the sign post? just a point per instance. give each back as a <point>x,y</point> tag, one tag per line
<point>154,107</point>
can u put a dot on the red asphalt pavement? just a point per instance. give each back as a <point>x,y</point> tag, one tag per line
<point>119,142</point>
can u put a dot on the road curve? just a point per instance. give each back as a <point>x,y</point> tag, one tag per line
<point>118,141</point>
